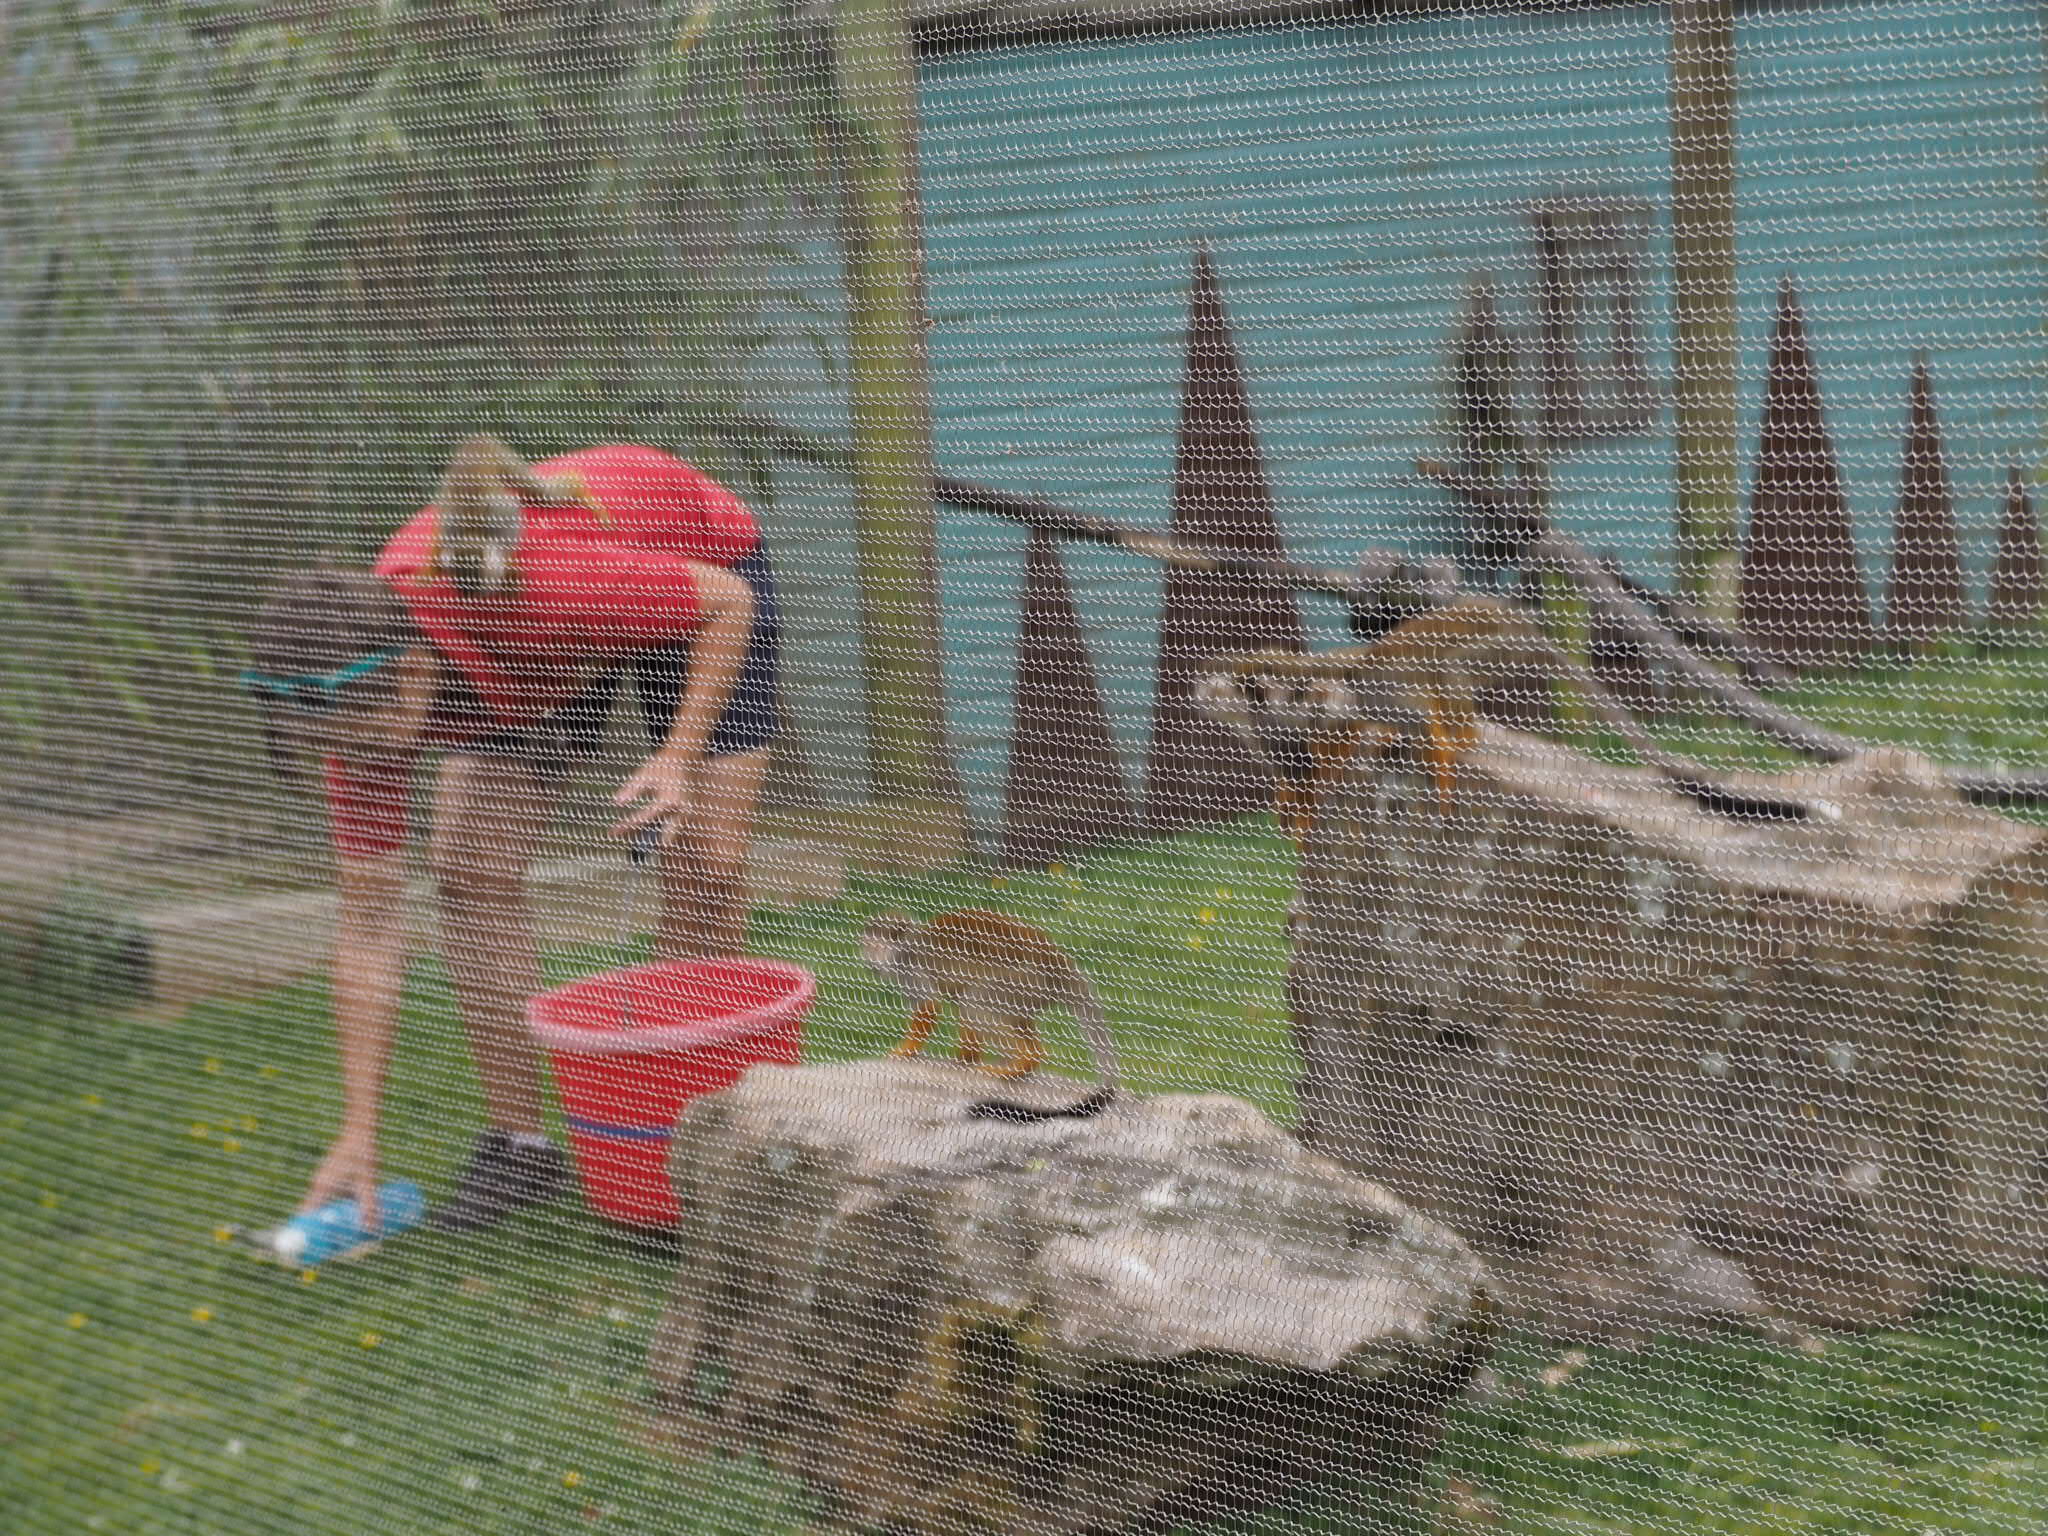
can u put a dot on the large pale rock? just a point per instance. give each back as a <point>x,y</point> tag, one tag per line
<point>950,1325</point>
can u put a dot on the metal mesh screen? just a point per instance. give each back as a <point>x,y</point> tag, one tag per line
<point>1062,767</point>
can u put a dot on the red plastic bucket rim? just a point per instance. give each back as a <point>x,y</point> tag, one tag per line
<point>571,1040</point>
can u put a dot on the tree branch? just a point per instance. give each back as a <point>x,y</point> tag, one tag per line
<point>1563,553</point>
<point>1696,629</point>
<point>1629,605</point>
<point>1065,522</point>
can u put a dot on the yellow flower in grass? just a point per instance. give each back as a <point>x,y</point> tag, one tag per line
<point>213,1063</point>
<point>48,1201</point>
<point>308,1276</point>
<point>1206,915</point>
<point>198,1127</point>
<point>151,1467</point>
<point>202,1314</point>
<point>223,1234</point>
<point>571,1479</point>
<point>75,1320</point>
<point>270,1071</point>
<point>229,1144</point>
<point>1196,941</point>
<point>371,1340</point>
<point>91,1101</point>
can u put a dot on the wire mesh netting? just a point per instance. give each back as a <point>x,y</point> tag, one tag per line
<point>1075,766</point>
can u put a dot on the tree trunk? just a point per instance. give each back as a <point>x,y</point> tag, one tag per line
<point>875,108</point>
<point>1703,290</point>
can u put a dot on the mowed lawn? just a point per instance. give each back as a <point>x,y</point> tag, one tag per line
<point>1987,711</point>
<point>154,1378</point>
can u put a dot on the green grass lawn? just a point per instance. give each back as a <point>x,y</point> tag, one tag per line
<point>1957,706</point>
<point>153,1378</point>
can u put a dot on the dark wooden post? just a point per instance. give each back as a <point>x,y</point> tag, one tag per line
<point>1492,451</point>
<point>1702,136</point>
<point>2017,573</point>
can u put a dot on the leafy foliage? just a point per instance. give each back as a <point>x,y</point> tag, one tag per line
<point>260,263</point>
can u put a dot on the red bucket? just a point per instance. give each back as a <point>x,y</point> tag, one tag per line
<point>631,1047</point>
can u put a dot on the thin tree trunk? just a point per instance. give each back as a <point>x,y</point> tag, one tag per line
<point>1703,255</point>
<point>875,85</point>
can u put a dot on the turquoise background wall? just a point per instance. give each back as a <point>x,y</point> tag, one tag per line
<point>1352,180</point>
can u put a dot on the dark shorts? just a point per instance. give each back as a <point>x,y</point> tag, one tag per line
<point>575,732</point>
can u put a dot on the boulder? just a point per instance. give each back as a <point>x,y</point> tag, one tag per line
<point>1661,1063</point>
<point>948,1324</point>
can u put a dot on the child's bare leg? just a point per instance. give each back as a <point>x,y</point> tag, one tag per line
<point>488,817</point>
<point>703,869</point>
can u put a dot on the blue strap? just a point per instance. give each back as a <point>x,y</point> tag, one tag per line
<point>619,1132</point>
<point>326,682</point>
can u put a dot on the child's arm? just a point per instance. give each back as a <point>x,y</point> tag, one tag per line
<point>369,968</point>
<point>368,804</point>
<point>665,781</point>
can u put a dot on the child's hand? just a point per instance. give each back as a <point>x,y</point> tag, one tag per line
<point>348,1170</point>
<point>665,784</point>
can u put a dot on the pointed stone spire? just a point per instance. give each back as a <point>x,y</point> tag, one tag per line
<point>1066,792</point>
<point>2017,576</point>
<point>1924,602</point>
<point>1196,770</point>
<point>1803,600</point>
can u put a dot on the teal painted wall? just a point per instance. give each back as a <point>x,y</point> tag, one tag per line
<point>1351,180</point>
